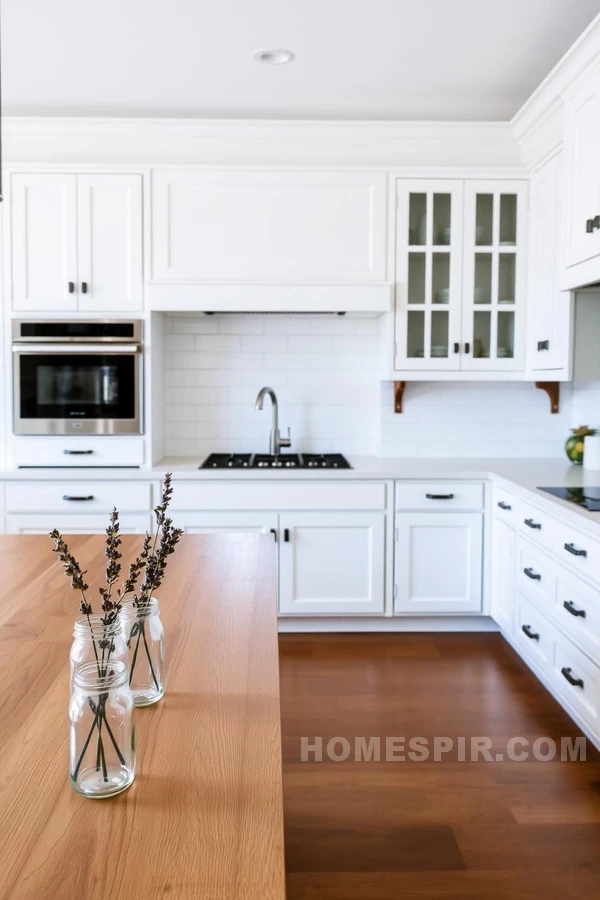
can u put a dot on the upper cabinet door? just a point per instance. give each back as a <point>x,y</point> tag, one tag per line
<point>493,280</point>
<point>44,227</point>
<point>428,275</point>
<point>323,227</point>
<point>582,168</point>
<point>110,243</point>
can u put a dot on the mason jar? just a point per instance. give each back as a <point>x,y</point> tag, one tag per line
<point>102,733</point>
<point>98,643</point>
<point>144,634</point>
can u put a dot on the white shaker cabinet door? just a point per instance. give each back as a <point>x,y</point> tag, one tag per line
<point>438,562</point>
<point>332,563</point>
<point>504,563</point>
<point>110,243</point>
<point>233,226</point>
<point>44,243</point>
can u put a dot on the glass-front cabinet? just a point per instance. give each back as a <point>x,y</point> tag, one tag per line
<point>459,302</point>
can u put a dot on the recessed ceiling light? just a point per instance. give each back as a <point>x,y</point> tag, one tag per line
<point>273,57</point>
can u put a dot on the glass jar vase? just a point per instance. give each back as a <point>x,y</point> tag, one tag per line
<point>144,634</point>
<point>98,643</point>
<point>102,732</point>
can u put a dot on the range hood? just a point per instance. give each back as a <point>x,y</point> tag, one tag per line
<point>371,300</point>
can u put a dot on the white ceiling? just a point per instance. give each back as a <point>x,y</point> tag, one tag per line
<point>355,59</point>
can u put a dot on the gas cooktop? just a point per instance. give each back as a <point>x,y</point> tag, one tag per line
<point>588,497</point>
<point>268,461</point>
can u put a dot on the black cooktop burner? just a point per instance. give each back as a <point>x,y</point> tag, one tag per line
<point>283,461</point>
<point>588,497</point>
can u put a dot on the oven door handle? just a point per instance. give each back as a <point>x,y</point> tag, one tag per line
<point>79,348</point>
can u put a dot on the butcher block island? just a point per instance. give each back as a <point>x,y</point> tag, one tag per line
<point>204,816</point>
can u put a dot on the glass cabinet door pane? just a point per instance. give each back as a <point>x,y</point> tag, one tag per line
<point>442,210</point>
<point>440,278</point>
<point>416,278</point>
<point>482,292</point>
<point>415,340</point>
<point>506,278</point>
<point>506,335</point>
<point>417,220</point>
<point>482,334</point>
<point>439,335</point>
<point>508,220</point>
<point>484,220</point>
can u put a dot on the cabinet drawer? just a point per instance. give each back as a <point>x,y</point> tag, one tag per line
<point>66,452</point>
<point>278,495</point>
<point>534,634</point>
<point>578,680</point>
<point>534,524</point>
<point>536,577</point>
<point>578,613</point>
<point>76,496</point>
<point>505,505</point>
<point>74,524</point>
<point>439,495</point>
<point>577,550</point>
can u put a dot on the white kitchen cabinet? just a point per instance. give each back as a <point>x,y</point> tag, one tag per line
<point>76,243</point>
<point>503,577</point>
<point>268,226</point>
<point>74,523</point>
<point>332,563</point>
<point>438,562</point>
<point>582,171</point>
<point>549,309</point>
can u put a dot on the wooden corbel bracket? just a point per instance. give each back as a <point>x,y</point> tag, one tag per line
<point>399,387</point>
<point>552,388</point>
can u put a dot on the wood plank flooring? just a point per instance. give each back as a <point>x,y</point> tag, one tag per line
<point>449,829</point>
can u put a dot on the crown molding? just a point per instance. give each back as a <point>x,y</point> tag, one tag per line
<point>256,142</point>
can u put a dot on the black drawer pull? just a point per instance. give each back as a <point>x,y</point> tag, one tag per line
<point>71,287</point>
<point>533,575</point>
<point>570,607</point>
<point>526,629</point>
<point>84,287</point>
<point>457,347</point>
<point>77,452</point>
<point>589,226</point>
<point>543,345</point>
<point>286,535</point>
<point>273,531</point>
<point>504,505</point>
<point>440,496</point>
<point>572,549</point>
<point>576,682</point>
<point>531,524</point>
<point>467,347</point>
<point>68,497</point>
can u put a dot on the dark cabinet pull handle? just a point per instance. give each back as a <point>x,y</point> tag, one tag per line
<point>535,576</point>
<point>572,549</point>
<point>526,629</point>
<point>596,222</point>
<point>576,682</point>
<point>286,535</point>
<point>531,524</point>
<point>457,347</point>
<point>84,287</point>
<point>273,531</point>
<point>77,452</point>
<point>467,347</point>
<point>439,496</point>
<point>589,226</point>
<point>571,608</point>
<point>504,505</point>
<point>71,287</point>
<point>543,345</point>
<point>67,497</point>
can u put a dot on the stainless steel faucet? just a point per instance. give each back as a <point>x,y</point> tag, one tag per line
<point>276,442</point>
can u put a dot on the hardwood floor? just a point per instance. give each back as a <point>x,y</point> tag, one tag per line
<point>380,830</point>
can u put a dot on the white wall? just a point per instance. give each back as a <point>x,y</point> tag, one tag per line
<point>326,375</point>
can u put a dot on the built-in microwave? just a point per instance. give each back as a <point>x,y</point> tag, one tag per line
<point>74,377</point>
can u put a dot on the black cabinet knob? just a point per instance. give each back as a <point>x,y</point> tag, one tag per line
<point>71,287</point>
<point>84,287</point>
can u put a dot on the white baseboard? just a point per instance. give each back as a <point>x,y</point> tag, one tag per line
<point>325,624</point>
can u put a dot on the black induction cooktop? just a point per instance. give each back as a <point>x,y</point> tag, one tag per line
<point>268,461</point>
<point>588,497</point>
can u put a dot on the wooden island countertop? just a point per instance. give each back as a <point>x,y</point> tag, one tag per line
<point>204,816</point>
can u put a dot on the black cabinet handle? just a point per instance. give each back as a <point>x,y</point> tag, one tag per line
<point>543,345</point>
<point>589,226</point>
<point>77,499</point>
<point>457,347</point>
<point>531,524</point>
<point>576,682</point>
<point>273,531</point>
<point>595,222</point>
<point>535,576</point>
<point>571,608</point>
<point>77,452</point>
<point>467,347</point>
<point>504,505</point>
<point>526,629</point>
<point>286,535</point>
<point>572,549</point>
<point>84,287</point>
<point>71,287</point>
<point>439,496</point>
